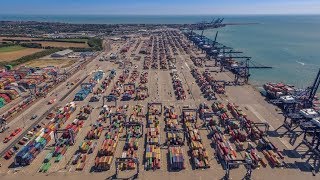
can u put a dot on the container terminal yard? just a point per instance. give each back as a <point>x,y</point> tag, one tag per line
<point>165,103</point>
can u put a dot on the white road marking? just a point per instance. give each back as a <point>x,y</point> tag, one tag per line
<point>187,65</point>
<point>284,142</point>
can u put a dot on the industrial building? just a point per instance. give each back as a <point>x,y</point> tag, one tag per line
<point>62,54</point>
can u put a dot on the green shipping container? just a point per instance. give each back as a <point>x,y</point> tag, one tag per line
<point>58,158</point>
<point>48,157</point>
<point>2,102</point>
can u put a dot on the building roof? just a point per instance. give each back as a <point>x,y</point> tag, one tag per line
<point>63,53</point>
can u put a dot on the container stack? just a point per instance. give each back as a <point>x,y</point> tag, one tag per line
<point>152,155</point>
<point>272,157</point>
<point>223,147</point>
<point>171,119</point>
<point>144,78</point>
<point>223,114</point>
<point>176,158</point>
<point>106,152</point>
<point>134,76</point>
<point>14,82</point>
<point>64,141</point>
<point>225,150</point>
<point>155,53</point>
<point>81,162</point>
<point>137,113</point>
<point>108,147</point>
<point>10,152</point>
<point>117,121</point>
<point>29,152</point>
<point>24,140</point>
<point>117,88</point>
<point>133,133</point>
<point>84,112</point>
<point>87,88</point>
<point>240,129</point>
<point>94,133</point>
<point>177,86</point>
<point>254,132</point>
<point>198,152</point>
<point>147,62</point>
<point>131,143</point>
<point>130,148</point>
<point>142,92</point>
<point>153,136</point>
<point>271,153</point>
<point>45,167</point>
<point>98,75</point>
<point>204,84</point>
<point>129,151</point>
<point>86,147</point>
<point>173,125</point>
<point>255,158</point>
<point>59,152</point>
<point>218,86</point>
<point>235,111</point>
<point>142,89</point>
<point>129,90</point>
<point>175,139</point>
<point>197,61</point>
<point>218,107</point>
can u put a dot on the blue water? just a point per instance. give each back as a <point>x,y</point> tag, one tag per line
<point>290,44</point>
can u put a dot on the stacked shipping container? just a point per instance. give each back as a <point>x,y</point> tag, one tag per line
<point>30,151</point>
<point>152,156</point>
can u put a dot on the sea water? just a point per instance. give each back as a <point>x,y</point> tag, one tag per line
<point>290,44</point>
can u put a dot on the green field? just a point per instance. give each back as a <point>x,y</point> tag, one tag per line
<point>11,48</point>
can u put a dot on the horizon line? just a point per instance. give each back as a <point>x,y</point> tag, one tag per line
<point>263,14</point>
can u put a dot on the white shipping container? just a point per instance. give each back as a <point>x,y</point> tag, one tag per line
<point>124,155</point>
<point>41,134</point>
<point>75,121</point>
<point>38,139</point>
<point>51,135</point>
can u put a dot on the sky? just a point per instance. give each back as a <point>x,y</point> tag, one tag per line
<point>159,7</point>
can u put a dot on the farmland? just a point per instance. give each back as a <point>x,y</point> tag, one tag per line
<point>11,48</point>
<point>3,38</point>
<point>15,52</point>
<point>63,43</point>
<point>26,46</point>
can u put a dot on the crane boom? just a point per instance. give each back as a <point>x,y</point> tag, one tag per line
<point>313,90</point>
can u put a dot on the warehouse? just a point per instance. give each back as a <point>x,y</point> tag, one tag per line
<point>61,54</point>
